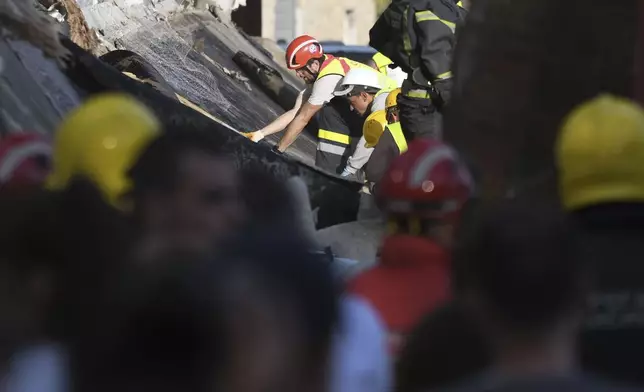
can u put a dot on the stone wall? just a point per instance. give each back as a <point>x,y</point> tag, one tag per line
<point>326,20</point>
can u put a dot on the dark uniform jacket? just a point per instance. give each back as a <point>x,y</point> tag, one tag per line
<point>419,37</point>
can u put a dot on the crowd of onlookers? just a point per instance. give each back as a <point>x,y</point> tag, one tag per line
<point>135,258</point>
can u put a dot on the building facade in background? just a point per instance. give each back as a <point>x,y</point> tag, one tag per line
<point>347,21</point>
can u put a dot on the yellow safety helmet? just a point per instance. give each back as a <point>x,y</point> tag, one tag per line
<point>392,98</point>
<point>373,127</point>
<point>101,140</point>
<point>381,62</point>
<point>600,153</point>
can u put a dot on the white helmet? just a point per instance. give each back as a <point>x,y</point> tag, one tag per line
<point>364,77</point>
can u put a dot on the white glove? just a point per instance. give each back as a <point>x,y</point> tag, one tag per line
<point>345,173</point>
<point>255,136</point>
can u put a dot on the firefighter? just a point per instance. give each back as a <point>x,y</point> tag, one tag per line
<point>423,195</point>
<point>367,92</point>
<point>340,127</point>
<point>419,36</point>
<point>389,144</point>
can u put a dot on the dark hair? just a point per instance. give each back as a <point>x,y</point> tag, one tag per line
<point>287,267</point>
<point>524,260</point>
<point>157,167</point>
<point>446,347</point>
<point>163,330</point>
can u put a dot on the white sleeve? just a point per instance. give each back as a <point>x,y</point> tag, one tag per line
<point>379,103</point>
<point>360,156</point>
<point>323,89</point>
<point>360,362</point>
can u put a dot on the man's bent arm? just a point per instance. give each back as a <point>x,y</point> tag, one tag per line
<point>301,120</point>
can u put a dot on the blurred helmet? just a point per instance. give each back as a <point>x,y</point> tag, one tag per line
<point>428,181</point>
<point>392,99</point>
<point>301,50</point>
<point>101,140</point>
<point>364,77</point>
<point>373,128</point>
<point>25,160</point>
<point>600,153</point>
<point>381,62</point>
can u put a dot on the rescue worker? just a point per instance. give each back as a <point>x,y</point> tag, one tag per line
<point>419,36</point>
<point>25,160</point>
<point>599,153</point>
<point>367,92</point>
<point>385,66</point>
<point>389,145</point>
<point>101,140</point>
<point>340,128</point>
<point>422,195</point>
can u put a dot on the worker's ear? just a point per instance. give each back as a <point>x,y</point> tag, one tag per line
<point>365,96</point>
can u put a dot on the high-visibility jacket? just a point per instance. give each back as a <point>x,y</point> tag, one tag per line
<point>399,137</point>
<point>391,144</point>
<point>340,140</point>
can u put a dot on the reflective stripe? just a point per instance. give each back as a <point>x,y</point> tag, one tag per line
<point>332,148</point>
<point>17,155</point>
<point>399,138</point>
<point>424,94</point>
<point>460,4</point>
<point>445,75</point>
<point>406,38</point>
<point>334,136</point>
<point>423,16</point>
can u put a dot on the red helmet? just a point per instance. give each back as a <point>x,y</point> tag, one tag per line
<point>428,181</point>
<point>25,159</point>
<point>302,50</point>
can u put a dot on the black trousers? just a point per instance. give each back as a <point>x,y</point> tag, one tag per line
<point>419,118</point>
<point>337,117</point>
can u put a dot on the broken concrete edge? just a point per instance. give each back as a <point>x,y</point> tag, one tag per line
<point>336,194</point>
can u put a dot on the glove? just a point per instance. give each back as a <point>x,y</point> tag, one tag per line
<point>254,136</point>
<point>276,150</point>
<point>345,173</point>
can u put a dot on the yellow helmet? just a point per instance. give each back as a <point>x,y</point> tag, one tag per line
<point>101,140</point>
<point>373,127</point>
<point>392,98</point>
<point>600,153</point>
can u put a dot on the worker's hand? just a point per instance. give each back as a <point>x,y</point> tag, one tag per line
<point>276,150</point>
<point>254,136</point>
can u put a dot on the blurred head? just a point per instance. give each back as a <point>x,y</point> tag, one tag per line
<point>25,160</point>
<point>425,190</point>
<point>186,192</point>
<point>521,271</point>
<point>446,347</point>
<point>305,55</point>
<point>283,309</point>
<point>162,330</point>
<point>100,140</point>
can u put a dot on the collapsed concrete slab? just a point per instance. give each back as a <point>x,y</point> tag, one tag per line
<point>35,93</point>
